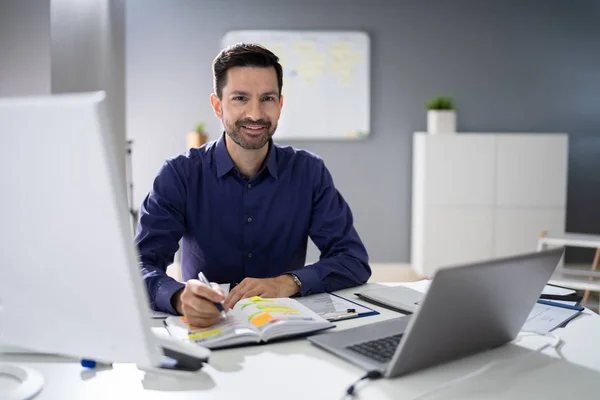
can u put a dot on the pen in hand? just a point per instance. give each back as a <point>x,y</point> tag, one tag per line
<point>219,306</point>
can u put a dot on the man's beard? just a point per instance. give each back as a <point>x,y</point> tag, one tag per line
<point>234,133</point>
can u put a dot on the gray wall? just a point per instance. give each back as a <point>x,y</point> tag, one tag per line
<point>88,54</point>
<point>512,66</point>
<point>24,47</point>
<point>65,46</point>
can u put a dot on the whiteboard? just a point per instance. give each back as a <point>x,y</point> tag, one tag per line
<point>326,85</point>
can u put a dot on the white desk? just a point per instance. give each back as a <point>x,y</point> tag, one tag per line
<point>297,370</point>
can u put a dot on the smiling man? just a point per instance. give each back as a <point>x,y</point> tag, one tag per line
<point>245,206</point>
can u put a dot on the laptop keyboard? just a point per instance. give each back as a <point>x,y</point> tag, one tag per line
<point>381,350</point>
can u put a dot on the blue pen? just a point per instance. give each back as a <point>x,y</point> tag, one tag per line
<point>567,306</point>
<point>219,306</point>
<point>93,364</point>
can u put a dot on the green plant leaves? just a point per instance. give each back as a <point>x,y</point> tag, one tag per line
<point>440,103</point>
<point>200,127</point>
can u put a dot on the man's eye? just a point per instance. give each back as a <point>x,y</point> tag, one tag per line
<point>269,98</point>
<point>239,98</point>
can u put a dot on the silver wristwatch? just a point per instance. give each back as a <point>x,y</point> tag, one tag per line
<point>297,280</point>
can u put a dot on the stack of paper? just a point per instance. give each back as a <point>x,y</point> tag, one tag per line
<point>549,315</point>
<point>335,308</point>
<point>544,317</point>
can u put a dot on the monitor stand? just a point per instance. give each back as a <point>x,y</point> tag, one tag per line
<point>17,382</point>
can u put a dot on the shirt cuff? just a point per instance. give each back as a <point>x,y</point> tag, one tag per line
<point>165,293</point>
<point>310,280</point>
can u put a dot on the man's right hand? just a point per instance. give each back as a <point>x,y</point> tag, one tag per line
<point>196,303</point>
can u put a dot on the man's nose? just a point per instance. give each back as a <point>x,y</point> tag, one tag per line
<point>254,112</point>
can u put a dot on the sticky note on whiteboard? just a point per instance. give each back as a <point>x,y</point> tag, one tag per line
<point>335,65</point>
<point>355,134</point>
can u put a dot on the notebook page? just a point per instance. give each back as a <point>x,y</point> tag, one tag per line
<point>328,305</point>
<point>232,330</point>
<point>544,318</point>
<point>280,316</point>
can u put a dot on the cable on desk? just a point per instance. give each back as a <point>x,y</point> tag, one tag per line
<point>373,375</point>
<point>554,345</point>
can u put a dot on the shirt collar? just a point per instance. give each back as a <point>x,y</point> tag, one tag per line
<point>225,163</point>
<point>272,160</point>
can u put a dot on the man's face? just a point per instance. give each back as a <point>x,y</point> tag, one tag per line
<point>250,106</point>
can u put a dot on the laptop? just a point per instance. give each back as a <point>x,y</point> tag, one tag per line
<point>467,309</point>
<point>70,282</point>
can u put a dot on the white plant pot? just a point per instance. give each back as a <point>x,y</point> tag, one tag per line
<point>441,121</point>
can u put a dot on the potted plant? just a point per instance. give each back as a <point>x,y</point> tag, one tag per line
<point>441,116</point>
<point>197,137</point>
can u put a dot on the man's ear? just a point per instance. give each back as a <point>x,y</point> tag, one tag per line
<point>280,102</point>
<point>217,106</point>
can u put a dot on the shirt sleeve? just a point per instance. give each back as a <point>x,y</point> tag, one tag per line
<point>161,226</point>
<point>344,261</point>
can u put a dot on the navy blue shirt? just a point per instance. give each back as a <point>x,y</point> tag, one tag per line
<point>233,227</point>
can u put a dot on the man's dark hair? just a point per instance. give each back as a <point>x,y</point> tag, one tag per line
<point>244,55</point>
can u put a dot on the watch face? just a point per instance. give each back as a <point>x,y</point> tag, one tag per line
<point>297,280</point>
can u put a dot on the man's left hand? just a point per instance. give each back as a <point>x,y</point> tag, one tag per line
<point>281,286</point>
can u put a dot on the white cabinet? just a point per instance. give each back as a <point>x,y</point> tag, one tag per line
<point>458,169</point>
<point>479,196</point>
<point>531,170</point>
<point>516,229</point>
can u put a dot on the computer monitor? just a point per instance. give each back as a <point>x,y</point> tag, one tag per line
<point>69,281</point>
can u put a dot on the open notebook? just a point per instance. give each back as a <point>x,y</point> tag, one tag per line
<point>251,321</point>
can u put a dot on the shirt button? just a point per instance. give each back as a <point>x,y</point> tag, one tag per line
<point>249,255</point>
<point>249,219</point>
<point>249,186</point>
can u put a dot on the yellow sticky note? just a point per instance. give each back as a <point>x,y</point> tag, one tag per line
<point>341,47</point>
<point>262,319</point>
<point>203,334</point>
<point>304,46</point>
<point>255,303</point>
<point>280,310</point>
<point>259,306</point>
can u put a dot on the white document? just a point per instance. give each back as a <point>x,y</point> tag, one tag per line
<point>423,285</point>
<point>331,307</point>
<point>558,291</point>
<point>420,286</point>
<point>398,298</point>
<point>544,318</point>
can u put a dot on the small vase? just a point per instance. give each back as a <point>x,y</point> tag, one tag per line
<point>441,121</point>
<point>195,139</point>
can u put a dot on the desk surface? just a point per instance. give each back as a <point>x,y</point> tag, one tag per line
<point>297,370</point>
